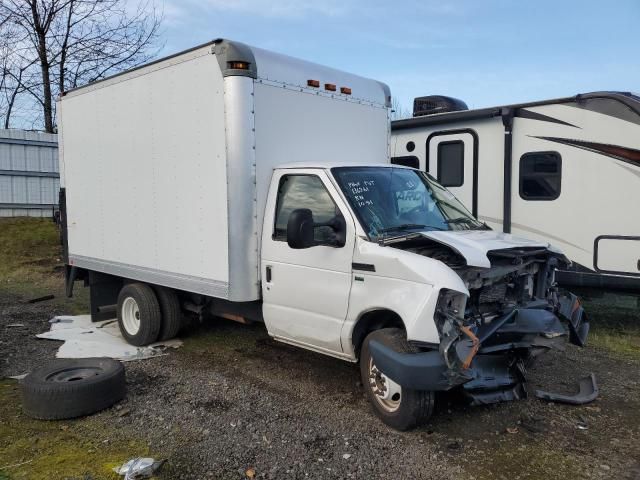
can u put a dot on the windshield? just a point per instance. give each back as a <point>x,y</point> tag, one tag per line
<point>391,201</point>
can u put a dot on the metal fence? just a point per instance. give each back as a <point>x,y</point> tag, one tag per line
<point>29,173</point>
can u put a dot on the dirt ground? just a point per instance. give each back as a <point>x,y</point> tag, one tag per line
<point>233,404</point>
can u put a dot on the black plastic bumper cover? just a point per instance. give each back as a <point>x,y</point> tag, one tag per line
<point>495,373</point>
<point>572,311</point>
<point>587,393</point>
<point>428,371</point>
<point>418,371</point>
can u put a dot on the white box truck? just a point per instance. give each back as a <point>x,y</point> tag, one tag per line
<point>236,182</point>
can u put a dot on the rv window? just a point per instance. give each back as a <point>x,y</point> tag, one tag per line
<point>407,161</point>
<point>451,163</point>
<point>304,191</point>
<point>540,175</point>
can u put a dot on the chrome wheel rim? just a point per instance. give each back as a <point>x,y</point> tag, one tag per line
<point>130,316</point>
<point>386,392</point>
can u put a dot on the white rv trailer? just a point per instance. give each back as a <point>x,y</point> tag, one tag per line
<point>232,181</point>
<point>565,170</point>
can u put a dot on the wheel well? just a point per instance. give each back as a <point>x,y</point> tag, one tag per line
<point>373,320</point>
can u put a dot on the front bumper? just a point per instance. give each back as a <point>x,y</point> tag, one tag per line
<point>497,372</point>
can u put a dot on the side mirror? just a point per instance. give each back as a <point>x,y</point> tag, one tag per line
<point>301,230</point>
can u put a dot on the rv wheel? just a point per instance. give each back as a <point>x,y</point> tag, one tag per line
<point>139,316</point>
<point>398,407</point>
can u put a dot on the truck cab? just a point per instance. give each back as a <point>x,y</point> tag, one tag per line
<point>382,265</point>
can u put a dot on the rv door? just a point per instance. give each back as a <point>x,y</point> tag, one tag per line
<point>452,158</point>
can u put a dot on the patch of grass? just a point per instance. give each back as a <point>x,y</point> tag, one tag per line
<point>524,460</point>
<point>27,245</point>
<point>625,345</point>
<point>217,336</point>
<point>31,262</point>
<point>615,322</point>
<point>70,449</point>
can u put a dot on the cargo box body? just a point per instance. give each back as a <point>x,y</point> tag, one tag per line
<point>166,168</point>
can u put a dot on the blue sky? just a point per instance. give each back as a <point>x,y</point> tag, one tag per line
<point>486,52</point>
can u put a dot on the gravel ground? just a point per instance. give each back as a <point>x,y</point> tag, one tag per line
<point>232,402</point>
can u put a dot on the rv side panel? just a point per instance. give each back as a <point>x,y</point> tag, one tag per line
<point>593,187</point>
<point>575,168</point>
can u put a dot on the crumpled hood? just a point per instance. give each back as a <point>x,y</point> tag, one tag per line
<point>473,245</point>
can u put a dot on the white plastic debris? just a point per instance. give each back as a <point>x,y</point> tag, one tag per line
<point>61,319</point>
<point>84,338</point>
<point>139,467</point>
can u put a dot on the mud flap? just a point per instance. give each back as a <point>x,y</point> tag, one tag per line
<point>587,393</point>
<point>571,310</point>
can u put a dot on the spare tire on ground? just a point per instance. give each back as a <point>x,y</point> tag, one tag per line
<point>69,388</point>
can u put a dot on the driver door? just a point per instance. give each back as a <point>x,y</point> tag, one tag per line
<point>305,291</point>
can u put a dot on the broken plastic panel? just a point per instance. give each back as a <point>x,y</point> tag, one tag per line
<point>587,393</point>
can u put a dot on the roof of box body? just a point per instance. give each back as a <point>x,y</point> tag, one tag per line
<point>267,67</point>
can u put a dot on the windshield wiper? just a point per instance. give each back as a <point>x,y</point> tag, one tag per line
<point>461,220</point>
<point>404,226</point>
<point>408,226</point>
<point>384,240</point>
<point>466,221</point>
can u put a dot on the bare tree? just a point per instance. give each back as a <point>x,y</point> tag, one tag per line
<point>398,111</point>
<point>17,75</point>
<point>73,42</point>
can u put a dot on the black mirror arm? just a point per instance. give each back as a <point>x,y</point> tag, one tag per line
<point>338,225</point>
<point>334,224</point>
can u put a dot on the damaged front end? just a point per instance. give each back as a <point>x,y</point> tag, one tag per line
<point>513,314</point>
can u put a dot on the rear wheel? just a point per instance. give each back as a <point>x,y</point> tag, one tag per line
<point>139,315</point>
<point>171,313</point>
<point>400,408</point>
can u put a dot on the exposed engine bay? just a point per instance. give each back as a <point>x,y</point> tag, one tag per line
<point>516,276</point>
<point>514,313</point>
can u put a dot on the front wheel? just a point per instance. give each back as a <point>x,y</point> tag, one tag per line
<point>398,407</point>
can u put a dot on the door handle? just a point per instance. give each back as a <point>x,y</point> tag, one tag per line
<point>268,274</point>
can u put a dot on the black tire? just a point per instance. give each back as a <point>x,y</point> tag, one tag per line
<point>149,315</point>
<point>415,406</point>
<point>69,388</point>
<point>171,313</point>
